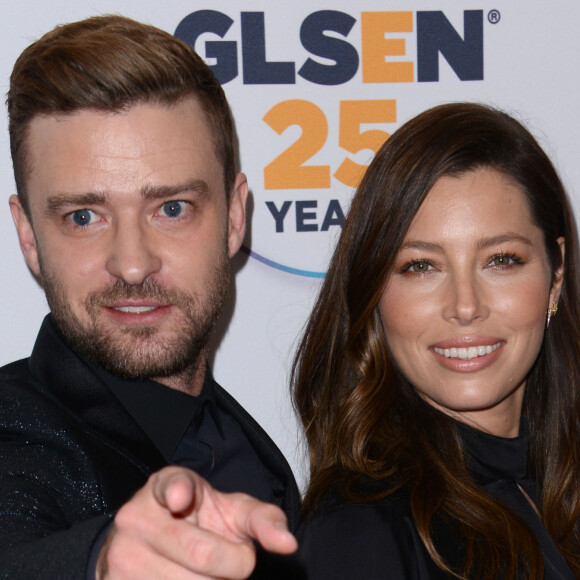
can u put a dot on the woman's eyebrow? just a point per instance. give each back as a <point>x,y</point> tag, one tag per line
<point>424,246</point>
<point>502,239</point>
<point>481,244</point>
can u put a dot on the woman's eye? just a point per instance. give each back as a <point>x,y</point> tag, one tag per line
<point>173,209</point>
<point>502,260</point>
<point>419,267</point>
<point>83,217</point>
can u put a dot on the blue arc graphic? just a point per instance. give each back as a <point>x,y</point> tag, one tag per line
<point>288,269</point>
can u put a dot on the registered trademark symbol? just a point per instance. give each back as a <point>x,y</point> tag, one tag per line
<point>494,16</point>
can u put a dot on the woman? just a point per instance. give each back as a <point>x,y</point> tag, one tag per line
<point>438,389</point>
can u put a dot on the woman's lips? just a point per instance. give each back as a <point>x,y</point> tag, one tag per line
<point>467,353</point>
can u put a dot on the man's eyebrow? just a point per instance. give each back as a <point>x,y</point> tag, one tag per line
<point>57,201</point>
<point>198,186</point>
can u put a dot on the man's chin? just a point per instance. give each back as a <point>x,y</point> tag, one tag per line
<point>142,334</point>
<point>140,358</point>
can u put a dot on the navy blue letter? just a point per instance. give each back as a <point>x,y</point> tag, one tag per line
<point>257,71</point>
<point>302,216</point>
<point>334,216</point>
<point>436,34</point>
<point>195,24</point>
<point>279,214</point>
<point>316,42</point>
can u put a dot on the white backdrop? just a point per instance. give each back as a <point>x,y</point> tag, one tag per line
<point>520,55</point>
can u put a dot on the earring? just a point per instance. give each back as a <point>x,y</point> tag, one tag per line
<point>551,312</point>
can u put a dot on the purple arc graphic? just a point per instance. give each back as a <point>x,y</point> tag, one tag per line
<point>278,266</point>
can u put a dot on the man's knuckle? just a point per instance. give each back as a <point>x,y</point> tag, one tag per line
<point>127,517</point>
<point>270,510</point>
<point>247,560</point>
<point>205,554</point>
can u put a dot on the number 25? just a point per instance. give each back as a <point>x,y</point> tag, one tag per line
<point>288,170</point>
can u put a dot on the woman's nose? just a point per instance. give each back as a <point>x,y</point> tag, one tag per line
<point>466,298</point>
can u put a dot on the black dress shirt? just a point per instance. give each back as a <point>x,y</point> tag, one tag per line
<point>192,432</point>
<point>195,433</point>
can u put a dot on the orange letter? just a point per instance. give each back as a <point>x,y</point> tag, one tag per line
<point>375,47</point>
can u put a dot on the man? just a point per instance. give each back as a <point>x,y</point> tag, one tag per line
<point>128,210</point>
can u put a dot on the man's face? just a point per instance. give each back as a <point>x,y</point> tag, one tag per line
<point>131,234</point>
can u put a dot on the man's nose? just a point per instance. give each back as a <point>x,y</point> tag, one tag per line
<point>133,256</point>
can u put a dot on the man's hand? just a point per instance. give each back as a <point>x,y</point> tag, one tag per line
<point>177,526</point>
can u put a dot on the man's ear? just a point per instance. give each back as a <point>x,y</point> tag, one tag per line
<point>25,234</point>
<point>237,214</point>
<point>558,278</point>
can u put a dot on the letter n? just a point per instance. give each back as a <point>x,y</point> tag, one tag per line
<point>435,35</point>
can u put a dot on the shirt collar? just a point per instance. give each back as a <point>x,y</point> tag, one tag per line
<point>163,413</point>
<point>498,458</point>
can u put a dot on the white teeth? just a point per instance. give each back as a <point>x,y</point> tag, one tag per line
<point>136,309</point>
<point>467,353</point>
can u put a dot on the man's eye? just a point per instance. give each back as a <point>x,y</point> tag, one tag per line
<point>173,209</point>
<point>83,217</point>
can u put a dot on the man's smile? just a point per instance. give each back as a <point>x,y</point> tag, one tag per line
<point>135,309</point>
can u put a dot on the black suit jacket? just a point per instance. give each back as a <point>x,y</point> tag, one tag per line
<point>71,455</point>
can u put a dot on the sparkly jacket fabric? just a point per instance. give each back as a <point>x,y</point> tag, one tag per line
<point>71,455</point>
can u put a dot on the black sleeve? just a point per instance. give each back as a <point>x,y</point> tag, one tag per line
<point>39,536</point>
<point>61,555</point>
<point>51,509</point>
<point>354,541</point>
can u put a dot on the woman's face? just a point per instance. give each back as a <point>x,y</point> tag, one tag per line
<point>464,310</point>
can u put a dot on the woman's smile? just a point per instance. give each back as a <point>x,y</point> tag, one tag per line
<point>464,308</point>
<point>467,353</point>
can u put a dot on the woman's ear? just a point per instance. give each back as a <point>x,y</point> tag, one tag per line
<point>558,277</point>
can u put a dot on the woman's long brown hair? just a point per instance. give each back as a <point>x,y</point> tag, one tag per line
<point>361,416</point>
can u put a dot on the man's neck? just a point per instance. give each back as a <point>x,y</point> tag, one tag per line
<point>190,380</point>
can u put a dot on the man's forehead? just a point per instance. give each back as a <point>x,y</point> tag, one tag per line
<point>147,145</point>
<point>187,107</point>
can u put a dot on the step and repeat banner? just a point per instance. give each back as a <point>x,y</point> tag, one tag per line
<point>314,92</point>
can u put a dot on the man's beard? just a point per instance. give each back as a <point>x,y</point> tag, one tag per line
<point>142,352</point>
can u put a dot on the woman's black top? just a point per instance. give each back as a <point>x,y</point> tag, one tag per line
<point>379,540</point>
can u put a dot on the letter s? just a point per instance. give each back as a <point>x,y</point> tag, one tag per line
<point>316,42</point>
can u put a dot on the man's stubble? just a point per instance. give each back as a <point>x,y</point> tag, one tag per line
<point>141,353</point>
